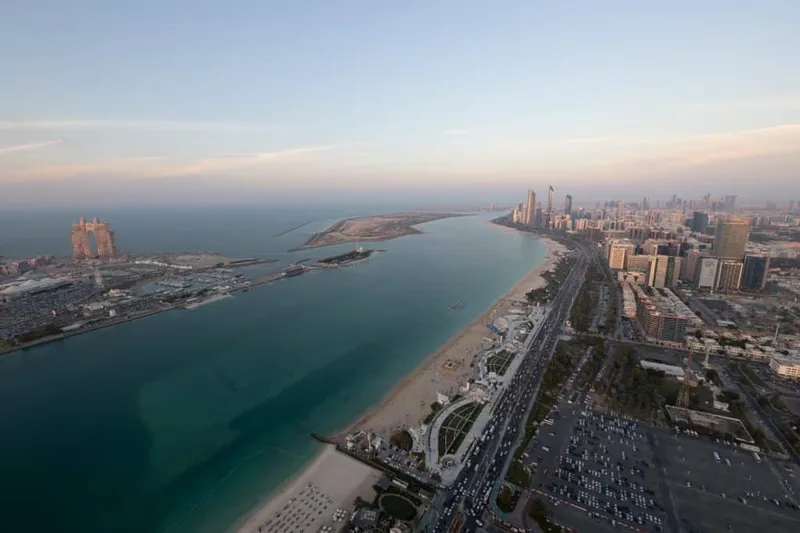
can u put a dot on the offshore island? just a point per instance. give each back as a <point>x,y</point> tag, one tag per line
<point>373,228</point>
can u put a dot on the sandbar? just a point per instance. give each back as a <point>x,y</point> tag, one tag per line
<point>373,228</point>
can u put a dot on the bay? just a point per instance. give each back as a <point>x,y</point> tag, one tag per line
<point>184,421</point>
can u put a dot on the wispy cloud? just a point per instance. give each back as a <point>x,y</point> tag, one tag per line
<point>456,132</point>
<point>228,162</point>
<point>27,147</point>
<point>783,103</point>
<point>148,167</point>
<point>143,125</point>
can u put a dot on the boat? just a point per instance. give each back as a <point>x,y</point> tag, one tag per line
<point>458,305</point>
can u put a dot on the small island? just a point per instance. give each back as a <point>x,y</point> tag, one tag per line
<point>373,228</point>
<point>348,258</point>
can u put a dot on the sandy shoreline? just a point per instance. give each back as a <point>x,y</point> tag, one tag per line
<point>409,401</point>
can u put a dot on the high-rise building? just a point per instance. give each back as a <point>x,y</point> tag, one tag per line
<point>754,273</point>
<point>730,241</point>
<point>82,243</point>
<point>617,251</point>
<point>659,273</point>
<point>638,263</point>
<point>550,192</point>
<point>729,275</point>
<point>530,208</point>
<point>673,271</point>
<point>730,203</point>
<point>568,205</point>
<point>707,272</point>
<point>700,222</point>
<point>691,264</point>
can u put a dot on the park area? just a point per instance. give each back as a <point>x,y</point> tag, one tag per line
<point>456,426</point>
<point>499,362</point>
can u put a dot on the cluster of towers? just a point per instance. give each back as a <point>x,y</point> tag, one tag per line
<point>82,243</point>
<point>531,215</point>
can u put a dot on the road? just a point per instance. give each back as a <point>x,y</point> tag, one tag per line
<point>476,486</point>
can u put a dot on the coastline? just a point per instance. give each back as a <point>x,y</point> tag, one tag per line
<point>402,405</point>
<point>391,412</point>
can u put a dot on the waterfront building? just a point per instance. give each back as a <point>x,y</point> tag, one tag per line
<point>729,276</point>
<point>530,209</point>
<point>82,244</point>
<point>568,205</point>
<point>754,273</point>
<point>550,192</point>
<point>730,240</point>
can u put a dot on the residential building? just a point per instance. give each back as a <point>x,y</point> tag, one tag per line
<point>729,275</point>
<point>707,273</point>
<point>617,251</point>
<point>700,222</point>
<point>754,274</point>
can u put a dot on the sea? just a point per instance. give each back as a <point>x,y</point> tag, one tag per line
<point>187,420</point>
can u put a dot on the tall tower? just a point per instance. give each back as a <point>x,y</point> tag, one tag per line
<point>730,240</point>
<point>550,201</point>
<point>568,205</point>
<point>530,208</point>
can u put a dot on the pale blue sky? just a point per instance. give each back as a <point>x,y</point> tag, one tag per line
<point>243,99</point>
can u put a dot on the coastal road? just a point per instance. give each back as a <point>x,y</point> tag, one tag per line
<point>476,486</point>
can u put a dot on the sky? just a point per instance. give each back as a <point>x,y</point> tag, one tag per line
<point>194,101</point>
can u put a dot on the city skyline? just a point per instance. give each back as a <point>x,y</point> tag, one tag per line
<point>240,106</point>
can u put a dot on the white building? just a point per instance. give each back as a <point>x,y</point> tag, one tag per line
<point>786,366</point>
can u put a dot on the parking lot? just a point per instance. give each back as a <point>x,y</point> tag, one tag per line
<point>605,470</point>
<point>737,493</point>
<point>602,472</point>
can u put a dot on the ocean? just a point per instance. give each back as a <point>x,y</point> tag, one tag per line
<point>184,421</point>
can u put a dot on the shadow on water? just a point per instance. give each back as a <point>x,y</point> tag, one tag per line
<point>254,435</point>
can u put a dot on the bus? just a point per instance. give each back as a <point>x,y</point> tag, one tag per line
<point>756,457</point>
<point>716,456</point>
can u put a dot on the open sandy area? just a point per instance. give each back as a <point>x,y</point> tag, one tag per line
<point>373,228</point>
<point>331,482</point>
<point>447,369</point>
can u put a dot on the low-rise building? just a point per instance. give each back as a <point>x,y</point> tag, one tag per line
<point>785,365</point>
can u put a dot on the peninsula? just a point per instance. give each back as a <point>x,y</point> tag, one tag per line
<point>373,228</point>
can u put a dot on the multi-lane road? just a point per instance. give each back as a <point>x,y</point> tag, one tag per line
<point>475,489</point>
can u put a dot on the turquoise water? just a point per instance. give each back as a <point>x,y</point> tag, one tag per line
<point>184,421</point>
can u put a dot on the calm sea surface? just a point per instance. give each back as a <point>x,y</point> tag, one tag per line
<point>184,421</point>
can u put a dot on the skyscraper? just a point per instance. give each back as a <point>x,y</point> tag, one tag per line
<point>550,201</point>
<point>568,205</point>
<point>730,241</point>
<point>754,275</point>
<point>530,208</point>
<point>700,222</point>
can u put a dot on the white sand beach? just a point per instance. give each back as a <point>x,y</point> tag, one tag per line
<point>410,400</point>
<point>338,477</point>
<point>311,499</point>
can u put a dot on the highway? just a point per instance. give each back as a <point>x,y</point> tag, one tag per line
<point>475,489</point>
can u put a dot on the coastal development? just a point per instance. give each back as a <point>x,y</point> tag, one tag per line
<point>373,228</point>
<point>575,403</point>
<point>47,298</point>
